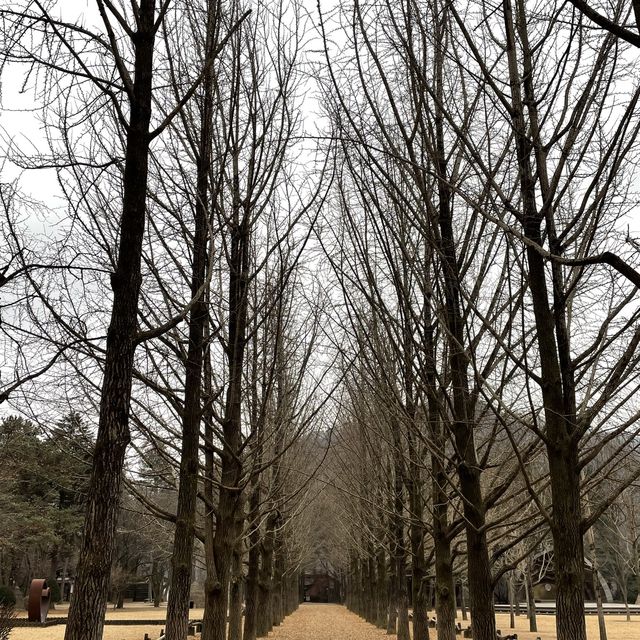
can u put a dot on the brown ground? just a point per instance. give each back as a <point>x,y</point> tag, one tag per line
<point>131,611</point>
<point>617,627</point>
<point>324,622</point>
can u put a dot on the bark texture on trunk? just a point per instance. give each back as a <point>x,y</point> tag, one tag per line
<point>567,543</point>
<point>86,613</point>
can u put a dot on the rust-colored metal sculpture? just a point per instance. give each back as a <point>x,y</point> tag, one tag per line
<point>38,606</point>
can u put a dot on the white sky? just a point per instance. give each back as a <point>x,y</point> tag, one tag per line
<point>20,124</point>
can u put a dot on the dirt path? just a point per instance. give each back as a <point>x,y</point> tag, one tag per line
<point>325,622</point>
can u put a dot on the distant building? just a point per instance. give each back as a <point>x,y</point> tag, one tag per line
<point>544,578</point>
<point>321,587</point>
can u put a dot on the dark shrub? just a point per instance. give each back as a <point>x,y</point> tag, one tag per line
<point>7,595</point>
<point>54,591</point>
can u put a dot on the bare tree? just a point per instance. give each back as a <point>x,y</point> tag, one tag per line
<point>72,56</point>
<point>554,143</point>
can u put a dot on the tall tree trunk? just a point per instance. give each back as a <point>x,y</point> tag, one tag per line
<point>230,499</point>
<point>211,584</point>
<point>381,588</point>
<point>353,573</point>
<point>636,555</point>
<point>413,482</point>
<point>531,603</point>
<point>236,596</point>
<point>296,580</point>
<point>463,602</point>
<point>595,576</point>
<point>418,562</point>
<point>295,591</point>
<point>445,605</point>
<point>253,568</point>
<point>224,540</point>
<point>402,600</point>
<point>392,598</point>
<point>370,585</point>
<point>265,616</point>
<point>273,557</point>
<point>400,554</point>
<point>637,559</point>
<point>252,584</point>
<point>512,597</point>
<point>445,600</point>
<point>479,567</point>
<point>558,393</point>
<point>625,596</point>
<point>155,582</point>
<point>567,541</point>
<point>480,580</point>
<point>182,556</point>
<point>278,580</point>
<point>364,595</point>
<point>87,610</point>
